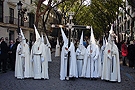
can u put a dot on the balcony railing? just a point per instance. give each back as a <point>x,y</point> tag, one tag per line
<point>13,20</point>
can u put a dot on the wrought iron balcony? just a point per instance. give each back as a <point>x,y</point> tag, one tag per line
<point>13,20</point>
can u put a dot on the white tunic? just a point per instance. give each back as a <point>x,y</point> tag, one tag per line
<point>102,56</point>
<point>111,65</point>
<point>63,67</point>
<point>49,52</point>
<point>57,52</point>
<point>22,66</point>
<point>44,63</point>
<point>80,52</point>
<point>92,64</point>
<point>73,62</point>
<point>36,55</point>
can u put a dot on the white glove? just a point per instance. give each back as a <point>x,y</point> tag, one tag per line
<point>22,55</point>
<point>32,60</point>
<point>109,57</point>
<point>89,54</point>
<point>20,46</point>
<point>42,59</point>
<point>78,54</point>
<point>94,59</point>
<point>65,58</point>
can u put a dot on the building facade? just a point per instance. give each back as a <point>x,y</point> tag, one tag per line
<point>9,18</point>
<point>125,22</point>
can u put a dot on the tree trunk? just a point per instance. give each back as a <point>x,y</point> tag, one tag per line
<point>37,13</point>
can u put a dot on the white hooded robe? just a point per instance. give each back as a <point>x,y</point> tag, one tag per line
<point>73,62</point>
<point>64,57</point>
<point>37,56</point>
<point>92,63</point>
<point>111,63</point>
<point>63,67</point>
<point>22,66</point>
<point>48,49</point>
<point>80,52</point>
<point>57,51</point>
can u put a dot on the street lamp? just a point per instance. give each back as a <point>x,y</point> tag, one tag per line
<point>19,4</point>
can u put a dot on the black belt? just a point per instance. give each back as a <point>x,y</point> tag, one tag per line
<point>37,54</point>
<point>79,59</point>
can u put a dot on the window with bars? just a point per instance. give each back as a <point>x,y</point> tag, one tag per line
<point>11,17</point>
<point>31,20</point>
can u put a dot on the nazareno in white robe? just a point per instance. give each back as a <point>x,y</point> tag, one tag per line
<point>49,52</point>
<point>80,52</point>
<point>92,65</point>
<point>44,73</point>
<point>102,56</point>
<point>57,51</point>
<point>63,66</point>
<point>108,73</point>
<point>48,49</point>
<point>36,56</point>
<point>22,65</point>
<point>73,62</point>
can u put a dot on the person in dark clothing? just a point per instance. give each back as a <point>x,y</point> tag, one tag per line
<point>131,54</point>
<point>16,43</point>
<point>4,50</point>
<point>12,54</point>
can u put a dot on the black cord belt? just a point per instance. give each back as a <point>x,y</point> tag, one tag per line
<point>37,54</point>
<point>79,59</point>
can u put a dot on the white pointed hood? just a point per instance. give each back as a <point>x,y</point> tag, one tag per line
<point>37,34</point>
<point>22,34</point>
<point>98,42</point>
<point>64,37</point>
<point>48,44</point>
<point>106,41</point>
<point>111,32</point>
<point>42,39</point>
<point>92,38</point>
<point>81,39</point>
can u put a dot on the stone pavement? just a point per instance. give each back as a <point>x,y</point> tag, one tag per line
<point>9,82</point>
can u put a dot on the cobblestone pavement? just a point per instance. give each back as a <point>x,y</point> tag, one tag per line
<point>9,82</point>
